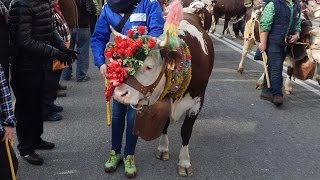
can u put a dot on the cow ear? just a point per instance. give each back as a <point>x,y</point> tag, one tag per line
<point>173,57</point>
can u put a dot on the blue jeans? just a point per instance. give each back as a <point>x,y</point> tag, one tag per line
<point>276,54</point>
<point>119,113</point>
<point>81,38</point>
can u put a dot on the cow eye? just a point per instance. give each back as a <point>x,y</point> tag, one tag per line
<point>149,68</point>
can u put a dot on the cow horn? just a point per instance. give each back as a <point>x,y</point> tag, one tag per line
<point>117,33</point>
<point>165,42</point>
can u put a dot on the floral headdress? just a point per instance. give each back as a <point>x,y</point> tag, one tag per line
<point>126,55</point>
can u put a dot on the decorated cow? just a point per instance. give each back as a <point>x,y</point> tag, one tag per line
<point>305,53</point>
<point>165,78</point>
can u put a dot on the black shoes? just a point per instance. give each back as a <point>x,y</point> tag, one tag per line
<point>85,79</point>
<point>62,87</point>
<point>57,108</point>
<point>53,117</point>
<point>33,158</point>
<point>45,145</point>
<point>61,93</point>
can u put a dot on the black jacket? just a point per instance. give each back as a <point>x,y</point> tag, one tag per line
<point>34,35</point>
<point>86,9</point>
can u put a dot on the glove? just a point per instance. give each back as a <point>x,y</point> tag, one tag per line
<point>64,58</point>
<point>72,53</point>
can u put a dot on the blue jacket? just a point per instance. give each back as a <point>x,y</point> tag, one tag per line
<point>281,21</point>
<point>148,13</point>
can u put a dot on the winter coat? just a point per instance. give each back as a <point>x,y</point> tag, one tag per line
<point>86,9</point>
<point>70,12</point>
<point>34,36</point>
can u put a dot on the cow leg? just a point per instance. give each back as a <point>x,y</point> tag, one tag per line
<point>163,148</point>
<point>260,82</point>
<point>184,165</point>
<point>213,24</point>
<point>318,73</point>
<point>288,83</point>
<point>247,46</point>
<point>226,25</point>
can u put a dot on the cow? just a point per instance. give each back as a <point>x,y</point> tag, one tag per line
<point>307,47</point>
<point>231,9</point>
<point>202,8</point>
<point>151,78</point>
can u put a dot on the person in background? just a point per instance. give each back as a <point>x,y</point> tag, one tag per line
<point>145,13</point>
<point>54,70</point>
<point>280,24</point>
<point>80,37</point>
<point>4,38</point>
<point>7,119</point>
<point>93,19</point>
<point>36,43</point>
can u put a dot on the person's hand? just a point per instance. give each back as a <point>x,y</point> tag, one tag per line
<point>262,47</point>
<point>103,70</point>
<point>72,53</point>
<point>64,58</point>
<point>8,133</point>
<point>293,38</point>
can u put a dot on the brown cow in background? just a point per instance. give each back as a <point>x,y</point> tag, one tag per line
<point>231,9</point>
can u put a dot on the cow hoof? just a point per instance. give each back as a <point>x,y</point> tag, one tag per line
<point>240,70</point>
<point>233,37</point>
<point>318,80</point>
<point>221,37</point>
<point>164,156</point>
<point>288,92</point>
<point>185,172</point>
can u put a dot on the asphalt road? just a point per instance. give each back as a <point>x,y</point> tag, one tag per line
<point>237,135</point>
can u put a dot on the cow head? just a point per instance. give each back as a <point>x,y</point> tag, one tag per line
<point>313,44</point>
<point>147,84</point>
<point>311,8</point>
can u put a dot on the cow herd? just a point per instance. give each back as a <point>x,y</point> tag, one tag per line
<point>151,80</point>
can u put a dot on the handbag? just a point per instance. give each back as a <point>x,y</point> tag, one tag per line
<point>56,64</point>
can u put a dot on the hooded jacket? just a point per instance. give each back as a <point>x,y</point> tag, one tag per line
<point>147,13</point>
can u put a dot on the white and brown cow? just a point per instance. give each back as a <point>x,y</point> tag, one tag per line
<point>152,81</point>
<point>309,41</point>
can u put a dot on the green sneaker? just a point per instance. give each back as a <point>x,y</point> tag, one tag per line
<point>112,162</point>
<point>130,169</point>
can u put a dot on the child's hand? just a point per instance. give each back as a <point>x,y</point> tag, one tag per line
<point>262,47</point>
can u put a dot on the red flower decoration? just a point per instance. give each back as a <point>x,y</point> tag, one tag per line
<point>139,43</point>
<point>141,30</point>
<point>116,75</point>
<point>151,43</point>
<point>108,54</point>
<point>130,33</point>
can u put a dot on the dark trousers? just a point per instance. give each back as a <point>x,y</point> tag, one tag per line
<point>276,54</point>
<point>51,85</point>
<point>5,171</point>
<point>27,86</point>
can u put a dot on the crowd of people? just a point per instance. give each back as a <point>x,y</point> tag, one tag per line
<point>40,40</point>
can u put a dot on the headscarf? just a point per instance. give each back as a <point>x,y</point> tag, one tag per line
<point>122,6</point>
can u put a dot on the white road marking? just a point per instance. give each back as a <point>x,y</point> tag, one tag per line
<point>237,47</point>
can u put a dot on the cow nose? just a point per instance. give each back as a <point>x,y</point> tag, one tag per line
<point>123,94</point>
